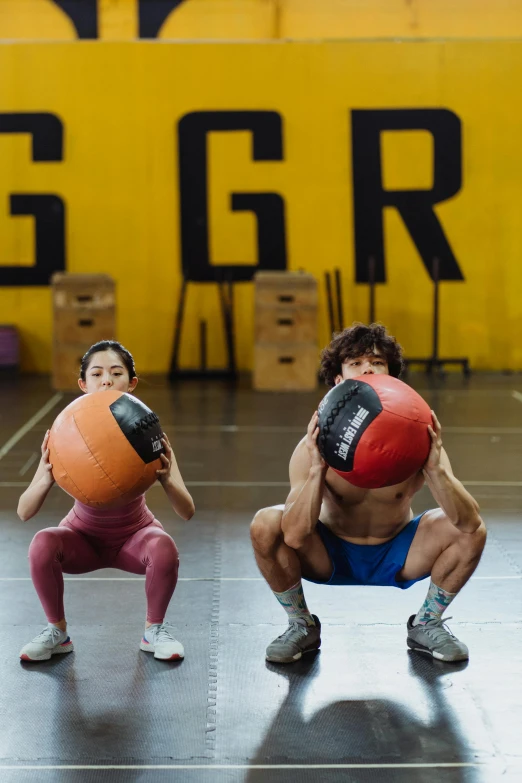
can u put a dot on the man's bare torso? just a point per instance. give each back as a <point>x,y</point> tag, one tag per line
<point>365,516</point>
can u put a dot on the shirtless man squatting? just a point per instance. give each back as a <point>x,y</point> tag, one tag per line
<point>333,533</point>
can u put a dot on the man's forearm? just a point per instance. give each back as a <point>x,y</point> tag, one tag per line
<point>301,518</point>
<point>460,507</point>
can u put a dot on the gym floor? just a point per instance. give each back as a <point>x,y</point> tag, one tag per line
<point>363,709</point>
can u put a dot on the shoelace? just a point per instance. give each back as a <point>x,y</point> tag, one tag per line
<point>436,628</point>
<point>163,634</point>
<point>53,632</point>
<point>294,627</point>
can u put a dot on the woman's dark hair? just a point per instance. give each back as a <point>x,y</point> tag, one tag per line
<point>109,345</point>
<point>360,340</point>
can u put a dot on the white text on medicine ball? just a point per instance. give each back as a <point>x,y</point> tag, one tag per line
<point>350,432</point>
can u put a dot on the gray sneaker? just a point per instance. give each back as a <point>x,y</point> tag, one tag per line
<point>435,639</point>
<point>298,638</point>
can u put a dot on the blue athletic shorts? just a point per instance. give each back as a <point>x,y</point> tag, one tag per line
<point>368,564</point>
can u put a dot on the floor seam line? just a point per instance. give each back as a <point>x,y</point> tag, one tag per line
<point>211,726</point>
<point>505,554</point>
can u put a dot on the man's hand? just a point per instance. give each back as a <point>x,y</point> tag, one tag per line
<point>311,443</point>
<point>433,462</point>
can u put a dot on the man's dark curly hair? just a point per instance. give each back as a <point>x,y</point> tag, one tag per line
<point>360,340</point>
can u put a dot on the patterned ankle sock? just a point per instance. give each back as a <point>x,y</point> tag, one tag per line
<point>294,603</point>
<point>435,604</point>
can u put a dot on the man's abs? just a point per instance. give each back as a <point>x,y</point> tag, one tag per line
<point>364,516</point>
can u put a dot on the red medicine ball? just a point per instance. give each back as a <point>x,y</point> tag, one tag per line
<point>373,431</point>
<point>105,447</point>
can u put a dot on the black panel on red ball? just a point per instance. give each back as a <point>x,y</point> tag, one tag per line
<point>373,430</point>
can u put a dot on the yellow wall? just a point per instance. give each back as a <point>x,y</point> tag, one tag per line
<point>120,104</point>
<point>22,20</point>
<point>262,19</point>
<point>400,18</point>
<point>223,20</point>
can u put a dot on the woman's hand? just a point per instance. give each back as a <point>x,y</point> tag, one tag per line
<point>45,469</point>
<point>163,473</point>
<point>32,498</point>
<point>171,481</point>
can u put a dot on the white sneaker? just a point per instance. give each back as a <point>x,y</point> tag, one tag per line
<point>158,639</point>
<point>51,641</point>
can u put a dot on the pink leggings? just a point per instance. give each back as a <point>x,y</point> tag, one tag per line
<point>150,551</point>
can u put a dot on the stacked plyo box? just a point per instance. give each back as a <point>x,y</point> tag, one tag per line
<point>84,312</point>
<point>285,352</point>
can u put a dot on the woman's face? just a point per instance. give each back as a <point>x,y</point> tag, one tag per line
<point>107,372</point>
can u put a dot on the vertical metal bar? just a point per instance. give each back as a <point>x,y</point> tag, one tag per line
<point>178,327</point>
<point>338,291</point>
<point>371,281</point>
<point>225,309</point>
<point>222,300</point>
<point>231,324</point>
<point>203,345</point>
<point>329,302</point>
<point>435,275</point>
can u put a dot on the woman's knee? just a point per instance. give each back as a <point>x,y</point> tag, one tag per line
<point>265,528</point>
<point>161,548</point>
<point>46,545</point>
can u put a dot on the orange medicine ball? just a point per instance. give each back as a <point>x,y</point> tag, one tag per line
<point>373,430</point>
<point>105,448</point>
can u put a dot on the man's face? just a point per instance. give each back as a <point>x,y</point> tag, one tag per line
<point>368,364</point>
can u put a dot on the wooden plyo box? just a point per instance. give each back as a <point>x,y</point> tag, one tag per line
<point>71,291</point>
<point>285,352</point>
<point>284,324</point>
<point>84,312</point>
<point>285,367</point>
<point>84,327</point>
<point>66,366</point>
<point>284,289</point>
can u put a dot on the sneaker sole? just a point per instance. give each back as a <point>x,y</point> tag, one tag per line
<point>59,651</point>
<point>174,657</point>
<point>416,647</point>
<point>150,649</point>
<point>293,659</point>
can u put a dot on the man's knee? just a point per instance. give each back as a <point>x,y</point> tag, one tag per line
<point>265,528</point>
<point>472,544</point>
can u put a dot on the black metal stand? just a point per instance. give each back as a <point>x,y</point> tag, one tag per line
<point>371,282</point>
<point>226,298</point>
<point>335,304</point>
<point>436,362</point>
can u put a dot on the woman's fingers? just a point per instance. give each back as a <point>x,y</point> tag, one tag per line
<point>166,462</point>
<point>45,441</point>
